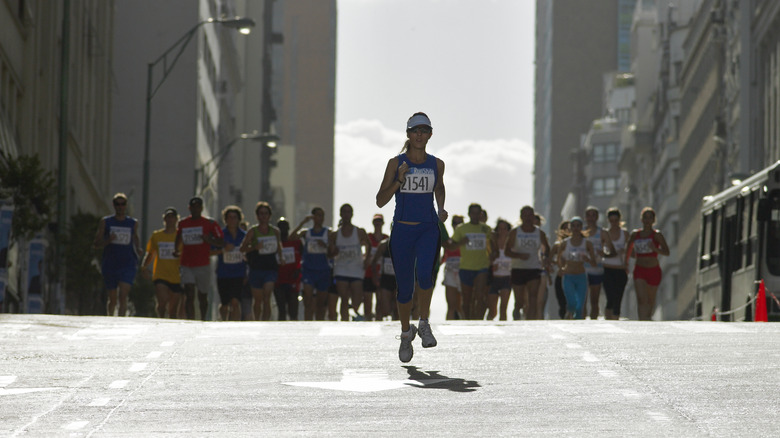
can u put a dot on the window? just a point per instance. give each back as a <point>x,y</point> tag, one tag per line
<point>605,153</point>
<point>605,186</point>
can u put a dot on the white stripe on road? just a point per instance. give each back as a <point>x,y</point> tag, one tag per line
<point>154,355</point>
<point>118,384</point>
<point>76,425</point>
<point>6,380</point>
<point>607,373</point>
<point>351,330</point>
<point>588,357</point>
<point>453,330</point>
<point>657,416</point>
<point>573,346</point>
<point>166,344</point>
<point>100,401</point>
<point>137,366</point>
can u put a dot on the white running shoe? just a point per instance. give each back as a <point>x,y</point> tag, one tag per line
<point>405,352</point>
<point>426,335</point>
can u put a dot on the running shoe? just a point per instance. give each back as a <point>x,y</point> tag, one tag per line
<point>516,314</point>
<point>426,335</point>
<point>405,352</point>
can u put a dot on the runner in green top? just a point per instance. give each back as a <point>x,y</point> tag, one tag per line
<point>476,252</point>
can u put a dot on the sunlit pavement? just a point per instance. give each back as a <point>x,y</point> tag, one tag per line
<point>94,376</point>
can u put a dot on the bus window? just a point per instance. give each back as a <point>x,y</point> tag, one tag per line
<point>704,257</point>
<point>749,215</point>
<point>773,238</point>
<point>714,232</point>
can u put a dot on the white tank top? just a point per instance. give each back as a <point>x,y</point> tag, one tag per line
<point>349,261</point>
<point>620,245</point>
<point>527,243</point>
<point>502,265</point>
<point>575,253</point>
<point>595,240</point>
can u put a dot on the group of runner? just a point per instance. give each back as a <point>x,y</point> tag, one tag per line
<point>348,265</point>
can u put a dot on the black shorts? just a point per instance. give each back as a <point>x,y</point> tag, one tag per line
<point>229,289</point>
<point>522,276</point>
<point>368,285</point>
<point>174,287</point>
<point>387,282</point>
<point>499,284</point>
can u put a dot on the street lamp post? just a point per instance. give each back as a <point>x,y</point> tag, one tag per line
<point>243,25</point>
<point>268,141</point>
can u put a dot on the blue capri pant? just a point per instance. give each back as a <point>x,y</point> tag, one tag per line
<point>575,287</point>
<point>414,249</point>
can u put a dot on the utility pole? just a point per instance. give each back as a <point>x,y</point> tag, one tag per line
<point>268,111</point>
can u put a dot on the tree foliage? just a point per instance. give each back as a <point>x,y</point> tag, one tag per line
<point>32,189</point>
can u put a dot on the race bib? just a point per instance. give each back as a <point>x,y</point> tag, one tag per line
<point>232,257</point>
<point>387,266</point>
<point>503,266</point>
<point>266,244</point>
<point>453,263</point>
<point>165,250</point>
<point>192,235</point>
<point>316,246</point>
<point>349,252</point>
<point>477,241</point>
<point>288,255</point>
<point>529,245</point>
<point>643,246</point>
<point>419,181</point>
<point>121,235</point>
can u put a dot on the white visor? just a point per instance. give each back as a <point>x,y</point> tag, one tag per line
<point>417,120</point>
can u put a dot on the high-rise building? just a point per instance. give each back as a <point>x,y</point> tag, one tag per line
<point>194,81</point>
<point>576,43</point>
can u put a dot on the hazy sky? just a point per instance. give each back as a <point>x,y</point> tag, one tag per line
<point>469,65</point>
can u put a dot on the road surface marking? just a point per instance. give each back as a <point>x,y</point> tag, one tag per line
<point>573,346</point>
<point>76,425</point>
<point>166,344</point>
<point>632,394</point>
<point>558,336</point>
<point>100,401</point>
<point>590,327</point>
<point>453,330</point>
<point>154,355</point>
<point>657,416</point>
<point>589,357</point>
<point>367,381</point>
<point>137,366</point>
<point>118,384</point>
<point>708,327</point>
<point>351,330</point>
<point>608,373</point>
<point>6,380</point>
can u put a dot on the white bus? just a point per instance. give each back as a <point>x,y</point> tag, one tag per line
<point>739,245</point>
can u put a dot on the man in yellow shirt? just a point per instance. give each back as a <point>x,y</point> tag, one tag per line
<point>165,274</point>
<point>474,240</point>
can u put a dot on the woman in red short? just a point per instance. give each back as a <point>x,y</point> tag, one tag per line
<point>646,244</point>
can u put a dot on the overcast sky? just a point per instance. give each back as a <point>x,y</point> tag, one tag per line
<point>469,65</point>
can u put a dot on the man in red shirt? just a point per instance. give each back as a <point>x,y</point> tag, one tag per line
<point>195,235</point>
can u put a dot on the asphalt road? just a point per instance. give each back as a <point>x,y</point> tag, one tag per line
<point>96,376</point>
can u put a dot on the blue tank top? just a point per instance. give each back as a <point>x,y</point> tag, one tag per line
<point>231,264</point>
<point>121,252</point>
<point>414,200</point>
<point>315,254</point>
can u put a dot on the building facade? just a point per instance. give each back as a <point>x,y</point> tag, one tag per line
<point>49,107</point>
<point>576,43</point>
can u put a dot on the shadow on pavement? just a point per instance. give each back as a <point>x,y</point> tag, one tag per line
<point>449,383</point>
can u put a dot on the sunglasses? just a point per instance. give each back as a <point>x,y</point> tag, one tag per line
<point>421,130</point>
<point>120,204</point>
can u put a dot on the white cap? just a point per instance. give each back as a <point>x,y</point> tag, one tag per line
<point>417,120</point>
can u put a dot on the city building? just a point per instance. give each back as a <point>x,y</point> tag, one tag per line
<point>576,44</point>
<point>188,95</point>
<point>39,96</point>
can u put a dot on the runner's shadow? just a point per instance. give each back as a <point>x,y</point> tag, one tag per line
<point>449,383</point>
